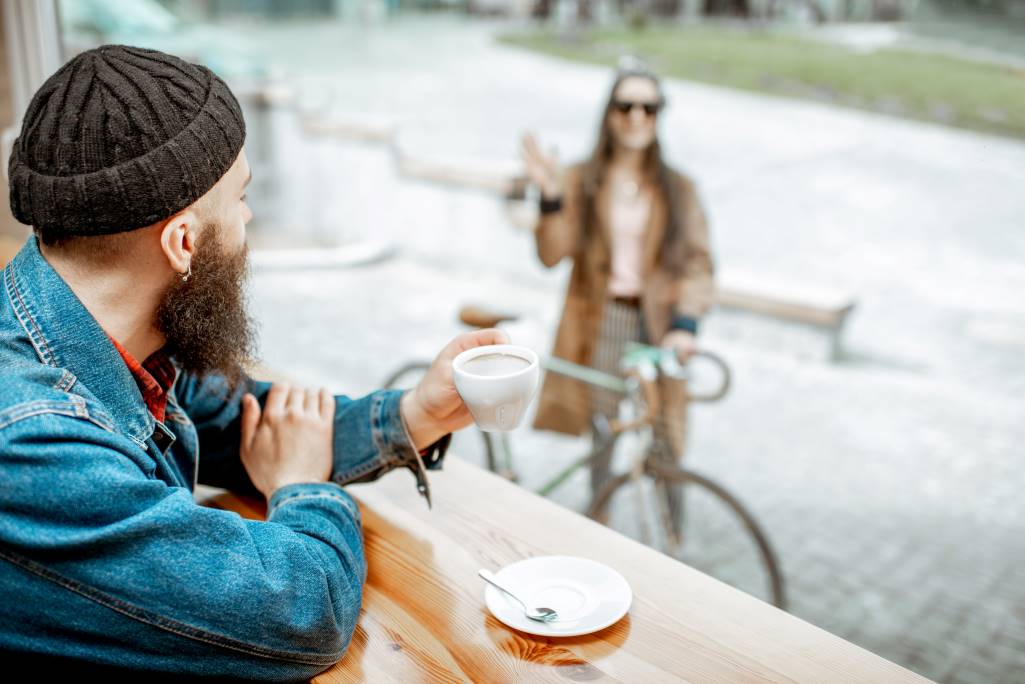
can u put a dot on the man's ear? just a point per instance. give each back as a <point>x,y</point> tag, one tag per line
<point>178,240</point>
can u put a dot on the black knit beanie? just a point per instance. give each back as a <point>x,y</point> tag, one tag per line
<point>120,138</point>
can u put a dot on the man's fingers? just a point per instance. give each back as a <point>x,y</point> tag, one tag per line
<point>296,399</point>
<point>312,403</point>
<point>250,419</point>
<point>276,399</point>
<point>327,404</point>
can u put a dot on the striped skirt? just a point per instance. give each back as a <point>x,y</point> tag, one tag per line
<point>621,324</point>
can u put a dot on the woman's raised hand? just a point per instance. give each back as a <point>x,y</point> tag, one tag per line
<point>543,170</point>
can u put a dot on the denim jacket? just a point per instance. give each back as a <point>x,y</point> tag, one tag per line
<point>104,555</point>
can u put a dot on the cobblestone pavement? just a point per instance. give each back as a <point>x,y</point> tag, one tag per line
<point>890,483</point>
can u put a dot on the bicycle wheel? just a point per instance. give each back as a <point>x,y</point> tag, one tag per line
<point>720,537</point>
<point>478,449</point>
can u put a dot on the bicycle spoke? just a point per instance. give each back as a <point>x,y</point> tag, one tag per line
<point>673,545</point>
<point>641,510</point>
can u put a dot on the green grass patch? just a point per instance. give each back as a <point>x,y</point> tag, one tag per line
<point>929,87</point>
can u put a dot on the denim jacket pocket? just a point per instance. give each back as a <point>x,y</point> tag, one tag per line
<point>74,406</point>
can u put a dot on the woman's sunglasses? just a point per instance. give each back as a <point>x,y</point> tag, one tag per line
<point>625,106</point>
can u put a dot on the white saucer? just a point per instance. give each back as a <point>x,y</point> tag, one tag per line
<point>587,595</point>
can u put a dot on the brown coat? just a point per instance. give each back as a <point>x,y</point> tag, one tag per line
<point>560,235</point>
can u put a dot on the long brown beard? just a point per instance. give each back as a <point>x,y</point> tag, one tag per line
<point>204,318</point>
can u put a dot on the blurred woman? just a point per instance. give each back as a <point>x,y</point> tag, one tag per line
<point>642,269</point>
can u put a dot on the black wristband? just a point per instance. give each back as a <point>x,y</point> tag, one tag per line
<point>433,454</point>
<point>685,323</point>
<point>551,206</point>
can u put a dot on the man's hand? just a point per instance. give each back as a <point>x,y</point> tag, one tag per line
<point>682,342</point>
<point>434,408</point>
<point>290,440</point>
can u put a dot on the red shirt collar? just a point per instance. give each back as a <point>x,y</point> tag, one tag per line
<point>155,376</point>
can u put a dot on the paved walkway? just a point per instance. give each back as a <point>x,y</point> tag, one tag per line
<point>890,483</point>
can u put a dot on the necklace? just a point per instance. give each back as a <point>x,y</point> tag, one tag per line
<point>626,190</point>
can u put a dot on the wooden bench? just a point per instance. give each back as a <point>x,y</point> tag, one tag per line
<point>819,308</point>
<point>467,173</point>
<point>361,129</point>
<point>489,175</point>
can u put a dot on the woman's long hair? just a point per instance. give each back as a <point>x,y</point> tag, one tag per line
<point>656,172</point>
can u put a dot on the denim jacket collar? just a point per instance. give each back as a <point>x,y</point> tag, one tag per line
<point>65,335</point>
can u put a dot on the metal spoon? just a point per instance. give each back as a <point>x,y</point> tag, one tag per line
<point>537,614</point>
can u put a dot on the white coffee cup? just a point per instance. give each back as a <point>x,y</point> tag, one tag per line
<point>497,383</point>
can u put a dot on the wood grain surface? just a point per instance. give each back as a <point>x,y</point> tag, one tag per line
<point>424,618</point>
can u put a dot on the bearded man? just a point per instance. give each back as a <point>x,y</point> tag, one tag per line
<point>123,338</point>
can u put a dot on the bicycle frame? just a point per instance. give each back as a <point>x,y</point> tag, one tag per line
<point>642,364</point>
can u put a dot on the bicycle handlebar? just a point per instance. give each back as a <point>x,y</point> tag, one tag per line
<point>724,383</point>
<point>651,360</point>
<point>643,365</point>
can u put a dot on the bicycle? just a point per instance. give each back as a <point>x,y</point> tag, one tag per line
<point>642,366</point>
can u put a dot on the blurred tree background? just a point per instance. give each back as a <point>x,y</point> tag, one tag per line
<point>953,62</point>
